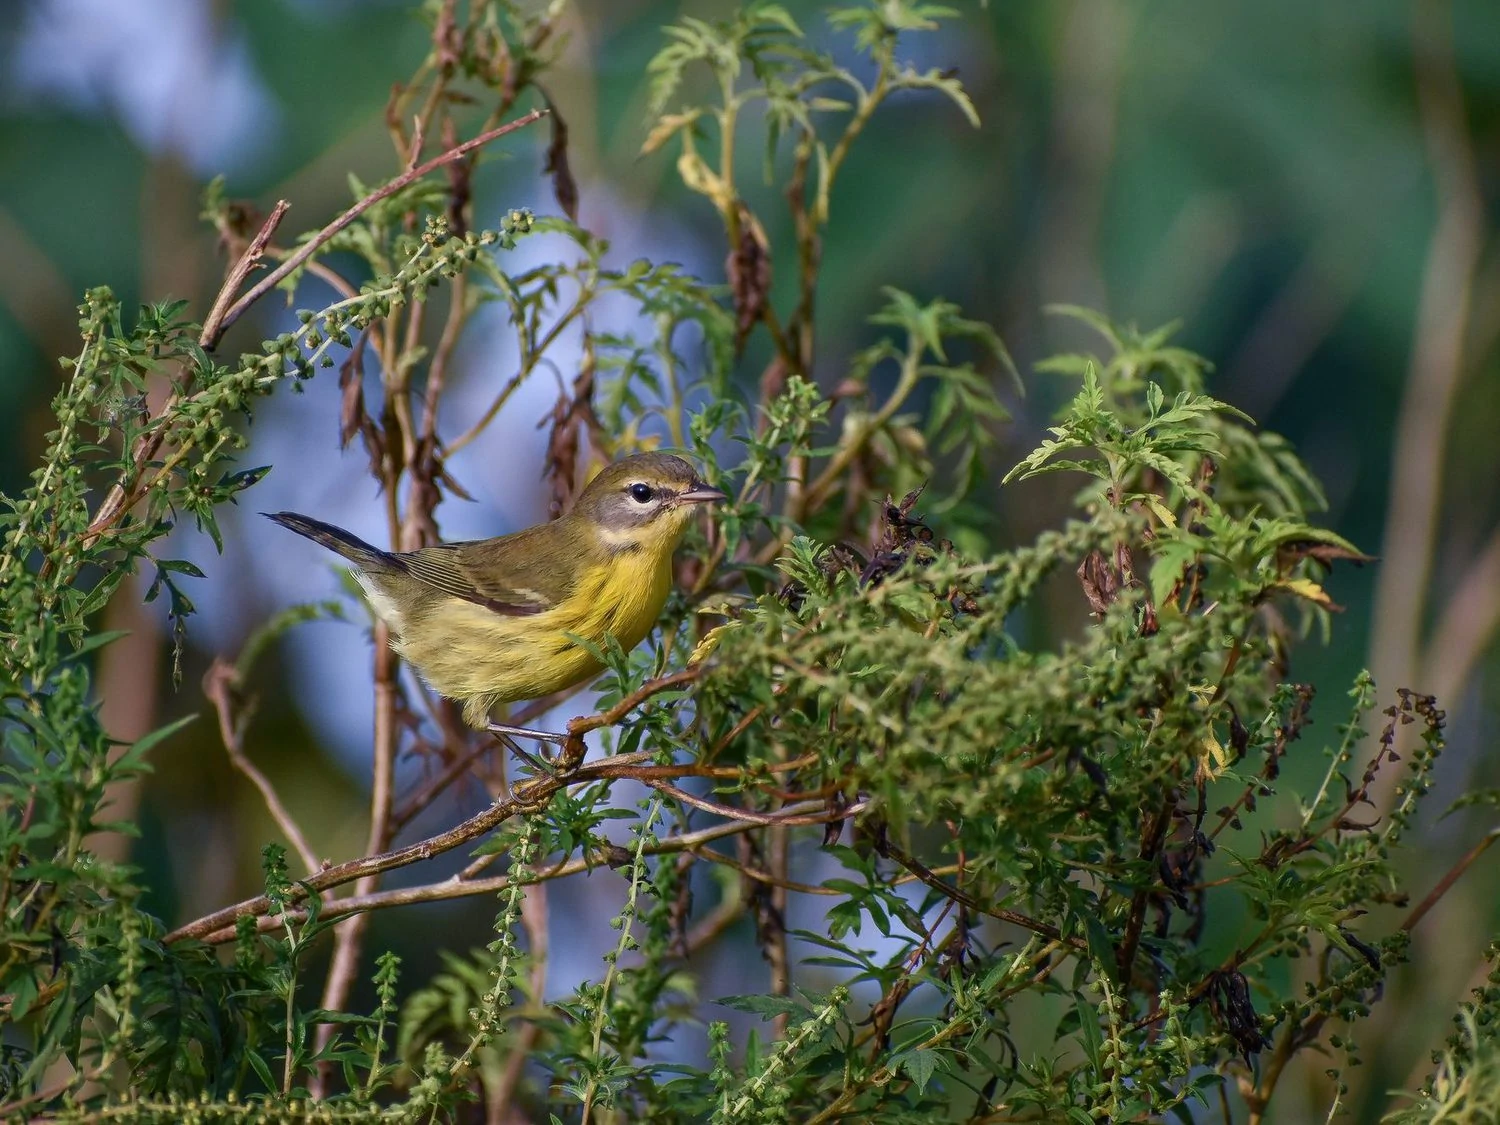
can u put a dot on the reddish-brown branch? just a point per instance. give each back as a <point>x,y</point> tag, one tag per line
<point>748,816</point>
<point>928,877</point>
<point>621,766</point>
<point>340,874</point>
<point>219,928</point>
<point>1446,882</point>
<point>311,247</point>
<point>579,727</point>
<point>215,323</point>
<point>524,798</point>
<point>219,686</point>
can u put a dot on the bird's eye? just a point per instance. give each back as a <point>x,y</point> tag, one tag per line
<point>641,493</point>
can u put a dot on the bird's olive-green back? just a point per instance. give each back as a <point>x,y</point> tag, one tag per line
<point>532,570</point>
<point>525,572</point>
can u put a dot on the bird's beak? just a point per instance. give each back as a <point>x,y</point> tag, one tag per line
<point>700,493</point>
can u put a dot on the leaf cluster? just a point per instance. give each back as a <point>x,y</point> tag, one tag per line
<point>841,704</point>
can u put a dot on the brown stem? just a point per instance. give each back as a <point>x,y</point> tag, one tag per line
<point>219,687</point>
<point>342,873</point>
<point>524,798</point>
<point>1151,839</point>
<point>757,875</point>
<point>311,247</point>
<point>778,951</point>
<point>220,930</point>
<point>747,816</point>
<point>1454,873</point>
<point>348,941</point>
<point>579,727</point>
<point>930,878</point>
<point>215,323</point>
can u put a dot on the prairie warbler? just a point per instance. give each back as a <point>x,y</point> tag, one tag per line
<point>487,622</point>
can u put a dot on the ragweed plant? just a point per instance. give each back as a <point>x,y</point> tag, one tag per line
<point>1061,883</point>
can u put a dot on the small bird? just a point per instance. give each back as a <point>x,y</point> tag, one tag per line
<point>487,621</point>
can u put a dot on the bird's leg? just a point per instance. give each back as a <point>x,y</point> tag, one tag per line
<point>540,765</point>
<point>570,753</point>
<point>501,730</point>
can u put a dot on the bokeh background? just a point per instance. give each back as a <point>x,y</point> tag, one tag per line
<point>1312,189</point>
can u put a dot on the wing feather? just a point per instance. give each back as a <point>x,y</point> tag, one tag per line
<point>514,575</point>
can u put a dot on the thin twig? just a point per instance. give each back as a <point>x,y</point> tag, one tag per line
<point>217,929</point>
<point>219,686</point>
<point>756,875</point>
<point>463,764</point>
<point>523,799</point>
<point>214,323</point>
<point>777,946</point>
<point>749,816</point>
<point>929,877</point>
<point>311,247</point>
<point>119,498</point>
<point>340,874</point>
<point>579,727</point>
<point>1454,873</point>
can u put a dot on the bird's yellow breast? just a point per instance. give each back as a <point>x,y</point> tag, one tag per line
<point>467,652</point>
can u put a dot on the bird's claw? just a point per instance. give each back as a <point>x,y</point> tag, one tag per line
<point>569,757</point>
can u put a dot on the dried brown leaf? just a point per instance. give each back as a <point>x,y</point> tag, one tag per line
<point>572,417</point>
<point>1100,586</point>
<point>749,270</point>
<point>564,187</point>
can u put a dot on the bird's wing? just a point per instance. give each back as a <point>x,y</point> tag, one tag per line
<point>514,575</point>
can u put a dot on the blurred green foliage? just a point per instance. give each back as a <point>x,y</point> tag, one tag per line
<point>1260,171</point>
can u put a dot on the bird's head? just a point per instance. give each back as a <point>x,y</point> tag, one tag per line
<point>643,502</point>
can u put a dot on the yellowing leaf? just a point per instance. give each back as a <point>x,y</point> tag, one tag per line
<point>698,176</point>
<point>1158,509</point>
<point>704,648</point>
<point>1213,761</point>
<point>667,125</point>
<point>1307,588</point>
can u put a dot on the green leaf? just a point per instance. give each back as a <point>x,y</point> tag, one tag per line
<point>96,641</point>
<point>145,744</point>
<point>919,1065</point>
<point>767,1007</point>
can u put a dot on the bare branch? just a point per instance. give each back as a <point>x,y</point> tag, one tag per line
<point>311,246</point>
<point>1454,873</point>
<point>219,686</point>
<point>222,929</point>
<point>214,323</point>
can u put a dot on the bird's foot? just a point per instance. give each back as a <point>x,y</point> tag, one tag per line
<point>500,729</point>
<point>568,758</point>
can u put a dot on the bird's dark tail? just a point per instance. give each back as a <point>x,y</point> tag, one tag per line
<point>356,550</point>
